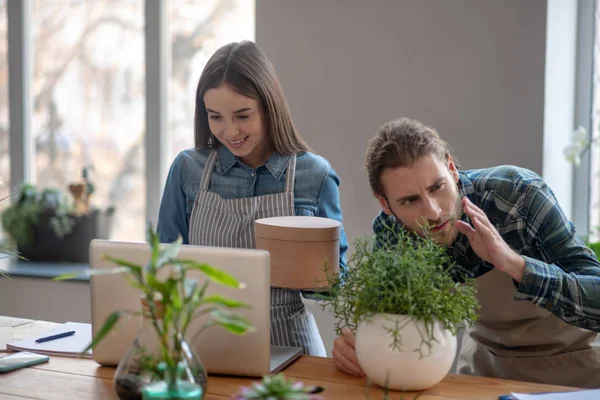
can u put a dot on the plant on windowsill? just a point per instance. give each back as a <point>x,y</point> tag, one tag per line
<point>161,363</point>
<point>44,227</point>
<point>399,298</point>
<point>7,249</point>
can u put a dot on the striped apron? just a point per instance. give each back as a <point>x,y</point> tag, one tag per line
<point>230,223</point>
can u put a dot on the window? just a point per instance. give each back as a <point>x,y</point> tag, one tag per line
<point>198,29</point>
<point>88,93</point>
<point>594,211</point>
<point>4,143</point>
<point>89,103</point>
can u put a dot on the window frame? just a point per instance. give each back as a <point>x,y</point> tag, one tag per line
<point>581,194</point>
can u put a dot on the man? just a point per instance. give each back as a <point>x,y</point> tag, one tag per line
<point>538,284</point>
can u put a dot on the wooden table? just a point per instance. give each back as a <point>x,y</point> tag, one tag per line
<point>73,378</point>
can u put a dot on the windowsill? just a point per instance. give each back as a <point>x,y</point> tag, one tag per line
<point>15,267</point>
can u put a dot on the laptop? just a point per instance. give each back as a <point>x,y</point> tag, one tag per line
<point>220,351</point>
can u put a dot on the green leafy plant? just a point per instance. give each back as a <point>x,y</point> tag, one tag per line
<point>401,273</point>
<point>277,387</point>
<point>173,302</point>
<point>20,219</point>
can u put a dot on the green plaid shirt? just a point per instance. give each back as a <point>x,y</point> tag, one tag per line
<point>561,274</point>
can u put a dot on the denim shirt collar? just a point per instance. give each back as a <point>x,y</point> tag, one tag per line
<point>276,164</point>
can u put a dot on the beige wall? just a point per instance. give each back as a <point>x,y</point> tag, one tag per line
<point>474,69</point>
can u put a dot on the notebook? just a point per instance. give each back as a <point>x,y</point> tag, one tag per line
<point>70,346</point>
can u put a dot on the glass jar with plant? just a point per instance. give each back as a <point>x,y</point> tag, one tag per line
<point>160,363</point>
<point>401,302</point>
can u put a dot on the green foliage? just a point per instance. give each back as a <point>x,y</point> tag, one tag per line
<point>173,301</point>
<point>277,387</point>
<point>20,218</point>
<point>405,274</point>
<point>595,247</point>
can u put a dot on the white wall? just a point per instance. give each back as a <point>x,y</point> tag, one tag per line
<point>561,53</point>
<point>474,69</point>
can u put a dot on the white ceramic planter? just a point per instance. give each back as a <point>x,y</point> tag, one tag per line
<point>403,369</point>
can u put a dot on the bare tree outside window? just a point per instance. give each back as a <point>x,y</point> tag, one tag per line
<point>88,93</point>
<point>89,87</point>
<point>198,29</point>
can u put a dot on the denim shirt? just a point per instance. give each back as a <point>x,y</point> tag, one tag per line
<point>315,188</point>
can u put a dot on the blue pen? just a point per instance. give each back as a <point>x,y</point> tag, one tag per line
<point>58,336</point>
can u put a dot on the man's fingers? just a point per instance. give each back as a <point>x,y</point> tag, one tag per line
<point>344,364</point>
<point>483,227</point>
<point>465,229</point>
<point>471,209</point>
<point>344,355</point>
<point>348,336</point>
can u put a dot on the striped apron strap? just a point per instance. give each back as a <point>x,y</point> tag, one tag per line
<point>208,169</point>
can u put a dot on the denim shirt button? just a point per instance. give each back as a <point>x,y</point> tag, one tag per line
<point>252,174</point>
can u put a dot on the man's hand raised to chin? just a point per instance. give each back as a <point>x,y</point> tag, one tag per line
<point>487,242</point>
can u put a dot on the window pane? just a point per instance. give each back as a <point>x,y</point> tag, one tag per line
<point>4,143</point>
<point>198,29</point>
<point>89,103</point>
<point>595,150</point>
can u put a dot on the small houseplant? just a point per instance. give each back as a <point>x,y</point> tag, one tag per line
<point>399,299</point>
<point>170,302</point>
<point>278,387</point>
<point>45,227</point>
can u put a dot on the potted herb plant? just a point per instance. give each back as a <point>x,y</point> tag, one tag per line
<point>161,363</point>
<point>399,299</point>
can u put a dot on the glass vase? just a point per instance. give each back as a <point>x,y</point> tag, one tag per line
<point>140,365</point>
<point>173,386</point>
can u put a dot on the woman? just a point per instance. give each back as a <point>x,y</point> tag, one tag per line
<point>248,163</point>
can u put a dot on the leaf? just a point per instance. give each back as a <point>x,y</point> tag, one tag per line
<point>223,301</point>
<point>153,241</point>
<point>232,322</point>
<point>110,271</point>
<point>169,253</point>
<point>214,274</point>
<point>93,271</point>
<point>66,277</point>
<point>109,324</point>
<point>136,269</point>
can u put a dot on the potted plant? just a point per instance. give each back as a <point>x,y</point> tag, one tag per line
<point>161,363</point>
<point>44,226</point>
<point>399,299</point>
<point>277,387</point>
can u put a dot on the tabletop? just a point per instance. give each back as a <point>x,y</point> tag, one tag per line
<point>69,378</point>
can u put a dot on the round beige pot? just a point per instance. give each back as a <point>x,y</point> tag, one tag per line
<point>403,368</point>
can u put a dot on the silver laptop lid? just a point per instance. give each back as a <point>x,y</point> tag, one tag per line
<point>220,351</point>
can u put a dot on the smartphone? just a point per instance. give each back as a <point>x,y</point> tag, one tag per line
<point>21,360</point>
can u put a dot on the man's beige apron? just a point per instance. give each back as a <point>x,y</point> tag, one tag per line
<point>521,341</point>
<point>230,223</point>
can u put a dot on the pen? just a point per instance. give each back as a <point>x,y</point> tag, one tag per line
<point>58,336</point>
